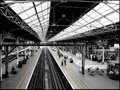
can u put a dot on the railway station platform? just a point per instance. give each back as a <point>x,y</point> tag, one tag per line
<point>24,74</point>
<point>79,81</point>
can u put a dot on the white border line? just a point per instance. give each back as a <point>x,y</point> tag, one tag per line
<point>61,70</point>
<point>32,71</point>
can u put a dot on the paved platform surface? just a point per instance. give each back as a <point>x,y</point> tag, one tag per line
<point>79,81</point>
<point>22,78</point>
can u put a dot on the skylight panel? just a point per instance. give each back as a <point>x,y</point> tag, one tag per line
<point>99,6</point>
<point>114,2</point>
<point>45,12</point>
<point>86,28</point>
<point>90,12</point>
<point>77,23</point>
<point>30,12</point>
<point>94,15</point>
<point>34,22</point>
<point>44,5</point>
<point>45,25</point>
<point>88,19</point>
<point>83,22</point>
<point>48,4</point>
<point>96,24</point>
<point>38,8</point>
<point>38,28</point>
<point>69,29</point>
<point>17,7</point>
<point>66,30</point>
<point>70,34</point>
<point>23,15</point>
<point>118,10</point>
<point>90,26</point>
<point>44,21</point>
<point>27,12</point>
<point>33,18</point>
<point>44,17</point>
<point>9,1</point>
<point>104,21</point>
<point>35,25</point>
<point>113,17</point>
<point>114,6</point>
<point>80,30</point>
<point>74,26</point>
<point>27,20</point>
<point>40,14</point>
<point>26,5</point>
<point>105,10</point>
<point>36,3</point>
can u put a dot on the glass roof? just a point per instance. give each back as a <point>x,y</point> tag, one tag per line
<point>26,11</point>
<point>103,14</point>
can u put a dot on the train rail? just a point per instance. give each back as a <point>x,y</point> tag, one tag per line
<point>47,74</point>
<point>37,78</point>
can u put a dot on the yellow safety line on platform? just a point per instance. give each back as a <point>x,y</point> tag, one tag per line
<point>85,87</point>
<point>21,80</point>
<point>78,82</point>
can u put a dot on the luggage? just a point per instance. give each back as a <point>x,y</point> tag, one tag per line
<point>71,60</point>
<point>61,63</point>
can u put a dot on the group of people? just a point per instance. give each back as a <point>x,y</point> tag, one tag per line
<point>63,62</point>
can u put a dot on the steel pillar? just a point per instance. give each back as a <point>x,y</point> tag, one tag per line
<point>83,57</point>
<point>0,59</point>
<point>103,50</point>
<point>6,61</point>
<point>17,51</point>
<point>25,53</point>
<point>83,60</point>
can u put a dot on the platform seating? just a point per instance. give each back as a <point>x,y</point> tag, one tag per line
<point>13,70</point>
<point>95,71</point>
<point>71,60</point>
<point>91,71</point>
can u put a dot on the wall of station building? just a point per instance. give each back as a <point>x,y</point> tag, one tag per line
<point>111,50</point>
<point>21,50</point>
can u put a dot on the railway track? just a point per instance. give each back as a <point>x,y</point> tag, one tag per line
<point>47,74</point>
<point>37,78</point>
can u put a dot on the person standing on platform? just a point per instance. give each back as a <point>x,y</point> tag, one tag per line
<point>64,61</point>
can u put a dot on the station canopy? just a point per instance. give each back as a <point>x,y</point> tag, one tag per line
<point>38,16</point>
<point>105,13</point>
<point>35,14</point>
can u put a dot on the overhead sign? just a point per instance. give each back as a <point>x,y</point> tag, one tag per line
<point>112,49</point>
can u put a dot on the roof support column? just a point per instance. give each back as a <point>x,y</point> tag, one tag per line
<point>83,60</point>
<point>17,50</point>
<point>103,54</point>
<point>0,59</point>
<point>6,61</point>
<point>83,57</point>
